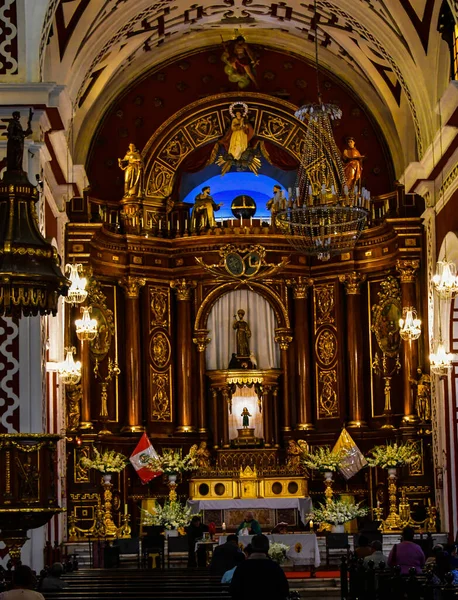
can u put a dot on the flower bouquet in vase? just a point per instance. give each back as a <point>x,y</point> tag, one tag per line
<point>171,463</point>
<point>277,552</point>
<point>326,461</point>
<point>172,515</point>
<point>335,513</point>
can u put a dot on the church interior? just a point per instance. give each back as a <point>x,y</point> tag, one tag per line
<point>229,239</point>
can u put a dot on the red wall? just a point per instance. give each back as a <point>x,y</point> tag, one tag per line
<point>138,113</point>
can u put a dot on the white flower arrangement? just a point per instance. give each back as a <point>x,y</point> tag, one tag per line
<point>336,512</point>
<point>323,459</point>
<point>172,515</point>
<point>172,462</point>
<point>108,461</point>
<point>277,552</point>
<point>391,456</point>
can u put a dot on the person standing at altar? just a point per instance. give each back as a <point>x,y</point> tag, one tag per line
<point>195,531</point>
<point>259,577</point>
<point>250,525</point>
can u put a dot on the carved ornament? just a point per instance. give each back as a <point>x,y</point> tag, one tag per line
<point>352,282</point>
<point>132,285</point>
<point>183,288</point>
<point>408,269</point>
<point>74,393</point>
<point>160,350</point>
<point>201,340</point>
<point>326,346</point>
<point>324,297</point>
<point>160,401</point>
<point>385,317</point>
<point>300,286</point>
<point>327,401</point>
<point>101,344</point>
<point>283,337</point>
<point>159,304</point>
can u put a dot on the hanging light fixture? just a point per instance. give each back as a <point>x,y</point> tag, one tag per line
<point>409,324</point>
<point>86,328</point>
<point>440,359</point>
<point>324,217</point>
<point>77,292</point>
<point>69,370</point>
<point>445,280</point>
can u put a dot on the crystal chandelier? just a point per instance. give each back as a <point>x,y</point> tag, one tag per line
<point>69,370</point>
<point>445,280</point>
<point>77,292</point>
<point>410,324</point>
<point>440,359</point>
<point>86,328</point>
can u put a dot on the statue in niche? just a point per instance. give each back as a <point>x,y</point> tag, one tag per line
<point>28,480</point>
<point>245,418</point>
<point>243,334</point>
<point>423,400</point>
<point>203,456</point>
<point>15,145</point>
<point>132,165</point>
<point>353,164</point>
<point>203,211</point>
<point>240,62</point>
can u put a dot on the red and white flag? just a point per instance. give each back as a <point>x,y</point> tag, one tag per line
<point>140,456</point>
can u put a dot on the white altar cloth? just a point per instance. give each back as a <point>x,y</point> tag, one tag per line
<point>303,505</point>
<point>303,547</point>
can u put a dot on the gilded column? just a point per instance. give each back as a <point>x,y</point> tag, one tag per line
<point>284,338</point>
<point>131,286</point>
<point>183,289</point>
<point>276,417</point>
<point>266,416</point>
<point>227,406</point>
<point>300,287</point>
<point>352,282</point>
<point>85,415</point>
<point>215,432</point>
<point>409,350</point>
<point>201,340</point>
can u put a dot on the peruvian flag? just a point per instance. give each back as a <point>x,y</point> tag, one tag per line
<point>140,456</point>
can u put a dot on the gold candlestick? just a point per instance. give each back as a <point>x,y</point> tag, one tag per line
<point>110,529</point>
<point>328,481</point>
<point>393,521</point>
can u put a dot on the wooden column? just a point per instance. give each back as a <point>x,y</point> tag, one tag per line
<point>266,416</point>
<point>85,422</point>
<point>131,286</point>
<point>183,291</point>
<point>352,282</point>
<point>201,340</point>
<point>276,417</point>
<point>214,392</point>
<point>300,287</point>
<point>409,350</point>
<point>226,407</point>
<point>284,338</point>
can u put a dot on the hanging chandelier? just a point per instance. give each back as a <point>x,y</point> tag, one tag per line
<point>69,370</point>
<point>445,280</point>
<point>86,328</point>
<point>409,324</point>
<point>77,292</point>
<point>440,359</point>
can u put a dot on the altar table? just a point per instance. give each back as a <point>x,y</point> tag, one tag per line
<point>303,505</point>
<point>303,547</point>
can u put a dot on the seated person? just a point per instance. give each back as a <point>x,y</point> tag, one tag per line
<point>53,580</point>
<point>407,554</point>
<point>363,549</point>
<point>226,556</point>
<point>249,524</point>
<point>195,531</point>
<point>377,555</point>
<point>259,577</point>
<point>281,528</point>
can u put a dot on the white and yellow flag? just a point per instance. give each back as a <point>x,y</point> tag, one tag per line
<point>353,459</point>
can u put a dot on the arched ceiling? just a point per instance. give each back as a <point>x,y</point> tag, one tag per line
<point>388,52</point>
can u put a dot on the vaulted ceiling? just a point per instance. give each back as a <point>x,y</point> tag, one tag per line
<point>389,52</point>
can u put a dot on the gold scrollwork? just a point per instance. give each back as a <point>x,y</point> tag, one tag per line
<point>101,344</point>
<point>327,400</point>
<point>324,302</point>
<point>385,317</point>
<point>80,473</point>
<point>159,182</point>
<point>416,468</point>
<point>160,402</point>
<point>159,350</point>
<point>74,393</point>
<point>297,143</point>
<point>275,128</point>
<point>159,304</point>
<point>326,346</point>
<point>176,149</point>
<point>205,128</point>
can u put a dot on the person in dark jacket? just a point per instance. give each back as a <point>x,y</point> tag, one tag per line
<point>195,532</point>
<point>227,556</point>
<point>259,576</point>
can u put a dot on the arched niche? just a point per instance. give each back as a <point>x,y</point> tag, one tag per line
<point>202,123</point>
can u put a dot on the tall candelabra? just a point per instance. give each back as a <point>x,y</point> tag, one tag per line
<point>112,371</point>
<point>380,367</point>
<point>110,529</point>
<point>393,521</point>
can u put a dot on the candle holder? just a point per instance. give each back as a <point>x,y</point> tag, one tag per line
<point>125,530</point>
<point>328,481</point>
<point>109,528</point>
<point>393,521</point>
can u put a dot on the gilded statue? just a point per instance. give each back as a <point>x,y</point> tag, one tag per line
<point>240,133</point>
<point>243,334</point>
<point>353,164</point>
<point>240,62</point>
<point>294,452</point>
<point>423,399</point>
<point>15,144</point>
<point>245,418</point>
<point>203,211</point>
<point>132,165</point>
<point>203,456</point>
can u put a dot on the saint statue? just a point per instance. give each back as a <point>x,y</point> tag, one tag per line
<point>245,418</point>
<point>132,166</point>
<point>240,133</point>
<point>15,144</point>
<point>353,164</point>
<point>274,204</point>
<point>423,400</point>
<point>203,456</point>
<point>239,62</point>
<point>243,335</point>
<point>203,211</point>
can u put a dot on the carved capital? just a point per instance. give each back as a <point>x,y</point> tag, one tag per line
<point>408,269</point>
<point>183,288</point>
<point>352,282</point>
<point>201,340</point>
<point>132,285</point>
<point>283,337</point>
<point>300,286</point>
